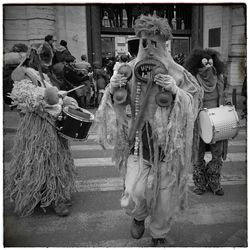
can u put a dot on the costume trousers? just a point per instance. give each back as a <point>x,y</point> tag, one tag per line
<point>137,184</point>
<point>208,175</point>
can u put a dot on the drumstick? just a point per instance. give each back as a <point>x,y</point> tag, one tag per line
<point>75,88</point>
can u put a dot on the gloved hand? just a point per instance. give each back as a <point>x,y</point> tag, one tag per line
<point>62,93</point>
<point>167,82</point>
<point>71,102</point>
<point>117,80</point>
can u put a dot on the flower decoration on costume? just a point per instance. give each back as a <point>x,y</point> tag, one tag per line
<point>30,98</point>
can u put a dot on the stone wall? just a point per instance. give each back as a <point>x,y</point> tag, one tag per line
<point>232,21</point>
<point>27,24</point>
<point>30,24</point>
<point>71,26</point>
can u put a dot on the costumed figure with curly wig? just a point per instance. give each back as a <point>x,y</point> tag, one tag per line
<point>213,126</point>
<point>148,112</point>
<point>41,172</point>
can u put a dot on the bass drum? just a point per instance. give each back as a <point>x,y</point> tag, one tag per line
<point>218,124</point>
<point>75,123</point>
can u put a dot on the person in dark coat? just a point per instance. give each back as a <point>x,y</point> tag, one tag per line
<point>101,78</point>
<point>62,54</point>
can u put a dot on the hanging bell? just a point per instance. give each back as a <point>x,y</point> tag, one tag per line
<point>120,95</point>
<point>125,70</point>
<point>164,98</point>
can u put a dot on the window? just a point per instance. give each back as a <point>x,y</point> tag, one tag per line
<point>214,37</point>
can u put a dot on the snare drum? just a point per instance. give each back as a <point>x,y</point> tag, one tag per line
<point>217,124</point>
<point>75,123</point>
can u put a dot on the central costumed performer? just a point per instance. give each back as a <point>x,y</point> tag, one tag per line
<point>148,113</point>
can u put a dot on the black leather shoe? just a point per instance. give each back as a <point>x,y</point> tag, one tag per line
<point>199,191</point>
<point>137,229</point>
<point>159,242</point>
<point>219,192</point>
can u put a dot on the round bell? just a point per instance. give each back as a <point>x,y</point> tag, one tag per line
<point>125,70</point>
<point>51,95</point>
<point>120,95</point>
<point>164,99</point>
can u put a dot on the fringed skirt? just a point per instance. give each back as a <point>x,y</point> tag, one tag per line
<point>42,169</point>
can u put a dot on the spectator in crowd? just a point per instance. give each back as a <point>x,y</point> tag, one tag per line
<point>84,65</point>
<point>123,59</point>
<point>84,69</point>
<point>101,78</point>
<point>62,54</point>
<point>46,51</point>
<point>244,93</point>
<point>179,58</point>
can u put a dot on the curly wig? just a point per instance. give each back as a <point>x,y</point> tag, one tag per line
<point>153,26</point>
<point>193,61</point>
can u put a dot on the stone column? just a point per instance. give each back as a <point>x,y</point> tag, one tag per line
<point>96,33</point>
<point>40,22</point>
<point>197,26</point>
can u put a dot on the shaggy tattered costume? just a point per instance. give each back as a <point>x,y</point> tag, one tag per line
<point>155,165</point>
<point>207,176</point>
<point>41,172</point>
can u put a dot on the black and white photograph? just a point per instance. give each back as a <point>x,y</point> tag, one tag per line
<point>124,124</point>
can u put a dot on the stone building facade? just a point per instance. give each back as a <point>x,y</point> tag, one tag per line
<point>221,27</point>
<point>29,24</point>
<point>228,22</point>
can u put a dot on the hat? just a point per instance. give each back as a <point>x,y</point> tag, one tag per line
<point>83,57</point>
<point>48,38</point>
<point>63,43</point>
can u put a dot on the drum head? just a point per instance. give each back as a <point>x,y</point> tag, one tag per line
<point>79,114</point>
<point>206,127</point>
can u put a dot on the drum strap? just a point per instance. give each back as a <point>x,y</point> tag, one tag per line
<point>47,119</point>
<point>37,63</point>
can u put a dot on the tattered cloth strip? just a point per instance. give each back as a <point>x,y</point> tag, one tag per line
<point>172,131</point>
<point>42,168</point>
<point>207,78</point>
<point>41,171</point>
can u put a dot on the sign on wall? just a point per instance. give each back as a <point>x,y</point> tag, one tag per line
<point>214,37</point>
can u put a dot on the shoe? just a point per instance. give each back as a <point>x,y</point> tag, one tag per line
<point>159,242</point>
<point>199,191</point>
<point>137,229</point>
<point>219,192</point>
<point>61,209</point>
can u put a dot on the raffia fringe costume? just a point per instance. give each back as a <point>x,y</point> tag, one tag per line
<point>41,171</point>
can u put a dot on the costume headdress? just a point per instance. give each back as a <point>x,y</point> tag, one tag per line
<point>153,26</point>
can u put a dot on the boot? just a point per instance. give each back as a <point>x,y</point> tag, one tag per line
<point>137,229</point>
<point>61,209</point>
<point>199,191</point>
<point>219,192</point>
<point>159,242</point>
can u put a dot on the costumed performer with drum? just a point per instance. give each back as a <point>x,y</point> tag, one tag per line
<point>148,112</point>
<point>41,172</point>
<point>206,66</point>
